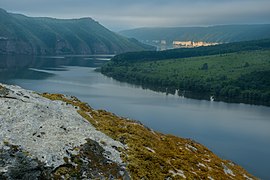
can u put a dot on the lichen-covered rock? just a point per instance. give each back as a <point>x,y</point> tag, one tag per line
<point>52,132</point>
<point>90,163</point>
<point>3,91</point>
<point>57,137</point>
<point>153,155</point>
<point>15,163</point>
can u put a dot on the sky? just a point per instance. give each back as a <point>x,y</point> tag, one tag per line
<point>126,14</point>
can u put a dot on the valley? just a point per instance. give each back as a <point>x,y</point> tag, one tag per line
<point>134,90</point>
<point>225,128</point>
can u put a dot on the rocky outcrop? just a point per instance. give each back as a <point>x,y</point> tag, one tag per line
<point>15,163</point>
<point>51,136</point>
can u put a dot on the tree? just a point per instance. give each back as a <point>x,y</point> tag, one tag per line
<point>205,66</point>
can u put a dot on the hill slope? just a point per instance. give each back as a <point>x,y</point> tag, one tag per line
<point>64,138</point>
<point>221,34</point>
<point>235,72</point>
<point>25,35</point>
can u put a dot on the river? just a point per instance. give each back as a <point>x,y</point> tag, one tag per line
<point>238,132</point>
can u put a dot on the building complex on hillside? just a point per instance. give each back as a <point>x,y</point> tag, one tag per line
<point>191,44</point>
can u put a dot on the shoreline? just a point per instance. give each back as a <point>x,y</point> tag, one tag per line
<point>140,148</point>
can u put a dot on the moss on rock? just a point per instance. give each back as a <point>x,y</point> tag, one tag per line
<point>89,163</point>
<point>3,91</point>
<point>16,163</point>
<point>153,155</point>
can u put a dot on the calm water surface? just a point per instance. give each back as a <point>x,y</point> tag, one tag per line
<point>237,132</point>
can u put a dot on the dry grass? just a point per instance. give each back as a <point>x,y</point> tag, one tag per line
<point>152,155</point>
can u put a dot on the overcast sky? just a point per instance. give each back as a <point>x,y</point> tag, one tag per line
<point>126,14</point>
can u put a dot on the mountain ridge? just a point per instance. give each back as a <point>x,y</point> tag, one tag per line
<point>20,34</point>
<point>216,33</point>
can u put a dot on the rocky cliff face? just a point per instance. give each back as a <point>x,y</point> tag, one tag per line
<point>51,136</point>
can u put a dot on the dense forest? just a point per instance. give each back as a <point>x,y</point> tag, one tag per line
<point>238,73</point>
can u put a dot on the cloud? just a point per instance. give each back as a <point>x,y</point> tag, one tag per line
<point>119,14</point>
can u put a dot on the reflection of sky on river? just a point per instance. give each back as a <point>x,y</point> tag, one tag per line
<point>234,131</point>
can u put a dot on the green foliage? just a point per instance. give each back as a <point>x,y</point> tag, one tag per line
<point>241,76</point>
<point>205,66</point>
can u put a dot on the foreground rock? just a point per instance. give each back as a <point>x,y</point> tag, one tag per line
<point>51,136</point>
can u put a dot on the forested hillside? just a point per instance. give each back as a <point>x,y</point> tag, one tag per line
<point>237,75</point>
<point>20,34</point>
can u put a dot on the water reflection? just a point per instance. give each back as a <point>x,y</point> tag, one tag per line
<point>25,67</point>
<point>238,132</point>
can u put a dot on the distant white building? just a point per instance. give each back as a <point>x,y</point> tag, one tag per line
<point>191,44</point>
<point>163,45</point>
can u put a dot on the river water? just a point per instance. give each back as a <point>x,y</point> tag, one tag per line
<point>237,132</point>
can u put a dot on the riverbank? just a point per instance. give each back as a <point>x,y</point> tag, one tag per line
<point>61,134</point>
<point>241,77</point>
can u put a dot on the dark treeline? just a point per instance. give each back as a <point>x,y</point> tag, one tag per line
<point>192,52</point>
<point>243,76</point>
